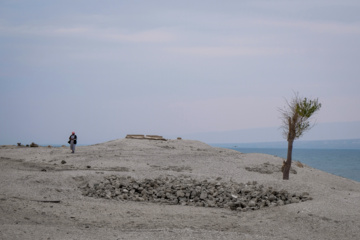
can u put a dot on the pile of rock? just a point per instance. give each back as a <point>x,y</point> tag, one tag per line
<point>268,168</point>
<point>184,191</point>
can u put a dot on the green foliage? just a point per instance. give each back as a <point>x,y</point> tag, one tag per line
<point>297,115</point>
<point>306,108</point>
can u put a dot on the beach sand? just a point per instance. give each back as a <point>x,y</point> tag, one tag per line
<point>40,195</point>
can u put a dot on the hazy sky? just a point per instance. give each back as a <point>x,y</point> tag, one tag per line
<point>105,69</point>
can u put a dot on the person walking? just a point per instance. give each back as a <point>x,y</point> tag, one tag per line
<point>72,141</point>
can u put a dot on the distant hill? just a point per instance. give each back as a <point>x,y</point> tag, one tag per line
<point>319,136</point>
<point>320,144</point>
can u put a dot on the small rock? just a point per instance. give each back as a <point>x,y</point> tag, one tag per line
<point>203,195</point>
<point>34,145</point>
<point>252,203</point>
<point>272,198</point>
<point>63,162</point>
<point>180,193</point>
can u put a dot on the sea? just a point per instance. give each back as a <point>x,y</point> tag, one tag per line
<point>340,162</point>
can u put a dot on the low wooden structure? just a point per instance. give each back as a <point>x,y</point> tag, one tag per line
<point>149,137</point>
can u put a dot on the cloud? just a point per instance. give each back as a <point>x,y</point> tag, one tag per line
<point>336,28</point>
<point>143,36</point>
<point>231,51</point>
<point>112,34</point>
<point>107,34</point>
<point>70,31</point>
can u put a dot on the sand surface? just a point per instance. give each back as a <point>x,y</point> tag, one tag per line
<point>40,197</point>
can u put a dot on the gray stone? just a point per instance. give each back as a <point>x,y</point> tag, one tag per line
<point>180,193</point>
<point>272,198</point>
<point>252,203</point>
<point>203,195</point>
<point>185,191</point>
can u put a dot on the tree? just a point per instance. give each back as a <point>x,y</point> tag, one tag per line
<point>296,117</point>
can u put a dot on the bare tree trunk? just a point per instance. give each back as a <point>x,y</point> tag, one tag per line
<point>291,138</point>
<point>287,165</point>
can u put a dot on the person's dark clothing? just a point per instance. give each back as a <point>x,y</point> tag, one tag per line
<point>72,141</point>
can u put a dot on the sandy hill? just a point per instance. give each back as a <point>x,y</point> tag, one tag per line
<point>42,194</point>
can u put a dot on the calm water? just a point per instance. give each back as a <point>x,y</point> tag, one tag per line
<point>341,162</point>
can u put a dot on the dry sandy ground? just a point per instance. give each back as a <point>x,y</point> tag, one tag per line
<point>40,197</point>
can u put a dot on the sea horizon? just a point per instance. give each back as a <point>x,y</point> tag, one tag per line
<point>307,144</point>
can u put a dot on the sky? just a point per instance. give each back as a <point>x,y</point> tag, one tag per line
<point>105,69</point>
